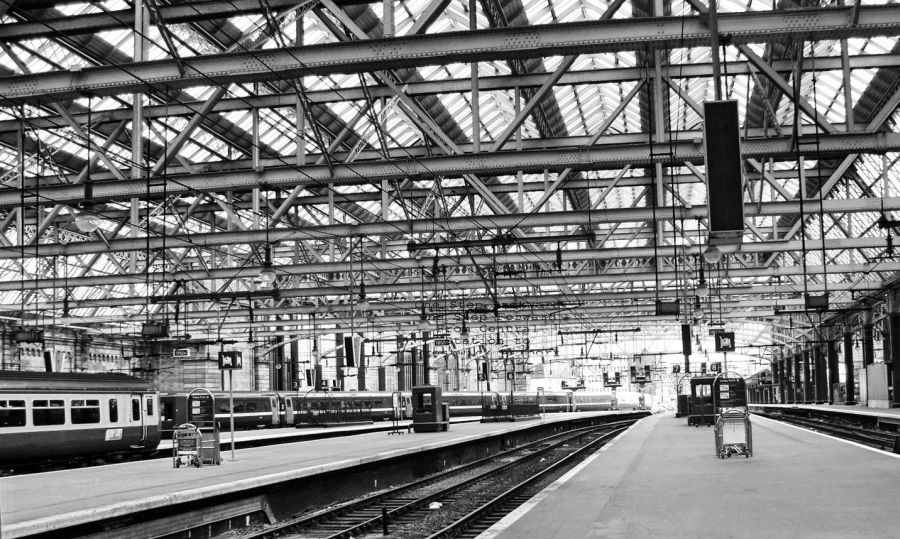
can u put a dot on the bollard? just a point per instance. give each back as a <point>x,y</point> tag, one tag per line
<point>384,521</point>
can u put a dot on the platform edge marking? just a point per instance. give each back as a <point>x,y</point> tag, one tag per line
<point>835,438</point>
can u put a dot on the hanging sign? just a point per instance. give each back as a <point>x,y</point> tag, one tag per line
<point>231,359</point>
<point>725,341</point>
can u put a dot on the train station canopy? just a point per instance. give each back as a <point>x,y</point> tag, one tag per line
<point>530,168</point>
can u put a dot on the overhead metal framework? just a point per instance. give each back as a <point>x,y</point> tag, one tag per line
<point>554,150</point>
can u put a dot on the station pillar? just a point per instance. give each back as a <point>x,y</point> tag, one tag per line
<point>868,344</point>
<point>894,324</point>
<point>833,374</point>
<point>821,374</point>
<point>848,368</point>
<point>806,382</point>
<point>797,396</point>
<point>776,377</point>
<point>782,377</point>
<point>788,396</point>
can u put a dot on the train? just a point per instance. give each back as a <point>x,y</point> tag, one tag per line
<point>53,416</point>
<point>84,417</point>
<point>258,410</point>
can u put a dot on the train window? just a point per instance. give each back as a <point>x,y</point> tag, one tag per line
<point>113,411</point>
<point>85,411</point>
<point>135,410</point>
<point>149,406</point>
<point>48,412</point>
<point>12,414</point>
<point>251,406</point>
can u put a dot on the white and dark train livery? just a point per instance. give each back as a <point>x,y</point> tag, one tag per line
<point>53,416</point>
<point>254,410</point>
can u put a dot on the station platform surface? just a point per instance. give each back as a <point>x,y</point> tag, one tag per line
<point>42,502</point>
<point>662,479</point>
<point>840,408</point>
<point>247,437</point>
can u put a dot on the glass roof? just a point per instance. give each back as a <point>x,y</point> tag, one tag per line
<point>388,157</point>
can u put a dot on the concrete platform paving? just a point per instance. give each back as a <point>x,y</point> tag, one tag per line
<point>662,479</point>
<point>43,502</point>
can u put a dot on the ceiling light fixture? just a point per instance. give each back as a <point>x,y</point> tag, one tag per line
<point>86,220</point>
<point>702,286</point>
<point>712,255</point>
<point>267,273</point>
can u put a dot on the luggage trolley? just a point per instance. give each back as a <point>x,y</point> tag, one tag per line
<point>733,432</point>
<point>197,442</point>
<point>186,446</point>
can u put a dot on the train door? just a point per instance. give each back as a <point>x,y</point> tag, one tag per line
<point>276,416</point>
<point>151,410</point>
<point>136,414</point>
<point>288,412</point>
<point>407,406</point>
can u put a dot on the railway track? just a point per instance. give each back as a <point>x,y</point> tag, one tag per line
<point>887,441</point>
<point>456,502</point>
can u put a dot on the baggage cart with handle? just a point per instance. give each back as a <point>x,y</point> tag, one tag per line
<point>187,443</point>
<point>733,432</point>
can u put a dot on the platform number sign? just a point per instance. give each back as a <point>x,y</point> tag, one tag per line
<point>725,341</point>
<point>231,359</point>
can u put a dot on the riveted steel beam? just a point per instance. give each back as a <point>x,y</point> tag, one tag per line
<point>452,47</point>
<point>534,161</point>
<point>426,226</point>
<point>415,89</point>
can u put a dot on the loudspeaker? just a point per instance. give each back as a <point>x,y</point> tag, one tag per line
<point>816,302</point>
<point>686,339</point>
<point>349,354</point>
<point>665,308</point>
<point>724,183</point>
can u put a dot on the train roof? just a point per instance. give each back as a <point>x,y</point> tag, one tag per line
<point>70,381</point>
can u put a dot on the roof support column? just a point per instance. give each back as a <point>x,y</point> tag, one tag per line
<point>833,376</point>
<point>806,383</point>
<point>795,396</point>
<point>783,363</point>
<point>848,92</point>
<point>821,379</point>
<point>894,332</point>
<point>476,105</point>
<point>300,112</point>
<point>849,368</point>
<point>141,46</point>
<point>868,342</point>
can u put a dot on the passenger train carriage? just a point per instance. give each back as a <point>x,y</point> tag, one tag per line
<point>50,416</point>
<point>252,410</point>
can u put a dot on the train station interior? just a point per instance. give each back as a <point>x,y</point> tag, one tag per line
<point>483,195</point>
<point>449,268</point>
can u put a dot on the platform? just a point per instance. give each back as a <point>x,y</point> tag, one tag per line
<point>837,408</point>
<point>249,438</point>
<point>662,479</point>
<point>39,503</point>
